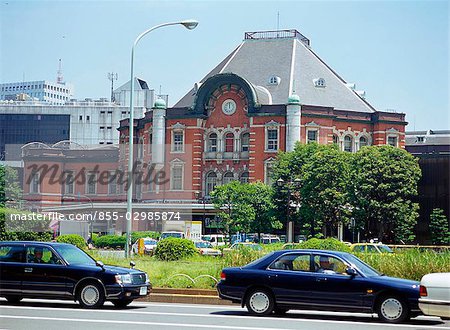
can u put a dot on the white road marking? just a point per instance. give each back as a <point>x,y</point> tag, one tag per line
<point>247,317</point>
<point>208,326</point>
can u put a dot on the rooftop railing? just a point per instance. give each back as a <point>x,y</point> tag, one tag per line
<point>279,34</point>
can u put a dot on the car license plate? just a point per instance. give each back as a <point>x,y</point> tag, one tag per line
<point>143,291</point>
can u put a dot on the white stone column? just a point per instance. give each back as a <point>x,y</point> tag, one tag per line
<point>293,120</point>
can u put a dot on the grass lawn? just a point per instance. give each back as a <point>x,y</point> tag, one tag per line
<point>410,264</point>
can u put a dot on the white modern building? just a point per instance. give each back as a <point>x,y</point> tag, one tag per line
<point>42,90</point>
<point>92,122</point>
<point>143,96</point>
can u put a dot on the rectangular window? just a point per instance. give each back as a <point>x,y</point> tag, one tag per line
<point>177,178</point>
<point>112,183</point>
<point>91,184</point>
<point>177,141</point>
<point>272,139</point>
<point>34,185</point>
<point>69,183</point>
<point>392,141</point>
<point>312,136</point>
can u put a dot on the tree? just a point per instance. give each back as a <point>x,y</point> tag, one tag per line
<point>439,227</point>
<point>384,180</point>
<point>10,190</point>
<point>323,193</point>
<point>245,207</point>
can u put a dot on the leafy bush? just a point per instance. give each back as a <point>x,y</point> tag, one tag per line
<point>18,230</point>
<point>324,244</point>
<point>172,248</point>
<point>109,241</point>
<point>143,234</point>
<point>74,239</point>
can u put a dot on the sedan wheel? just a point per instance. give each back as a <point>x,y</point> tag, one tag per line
<point>260,302</point>
<point>13,299</point>
<point>91,296</point>
<point>393,310</point>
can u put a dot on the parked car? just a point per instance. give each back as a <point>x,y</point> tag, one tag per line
<point>370,248</point>
<point>149,246</point>
<point>435,294</point>
<point>205,248</point>
<point>176,234</point>
<point>269,239</point>
<point>246,245</point>
<point>215,240</point>
<point>319,280</point>
<point>63,271</point>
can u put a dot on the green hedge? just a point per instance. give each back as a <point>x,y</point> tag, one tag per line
<point>33,230</point>
<point>109,241</point>
<point>171,248</point>
<point>74,239</point>
<point>323,244</point>
<point>143,234</point>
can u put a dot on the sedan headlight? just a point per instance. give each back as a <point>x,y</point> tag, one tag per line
<point>123,279</point>
<point>147,279</point>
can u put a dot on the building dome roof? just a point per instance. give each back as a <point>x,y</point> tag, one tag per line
<point>294,99</point>
<point>160,104</point>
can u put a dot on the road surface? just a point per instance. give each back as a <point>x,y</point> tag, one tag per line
<point>44,314</point>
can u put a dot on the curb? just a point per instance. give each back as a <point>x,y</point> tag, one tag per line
<point>185,296</point>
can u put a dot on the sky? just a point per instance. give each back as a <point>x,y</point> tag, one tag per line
<point>397,51</point>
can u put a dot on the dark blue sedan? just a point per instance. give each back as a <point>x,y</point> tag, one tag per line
<point>318,280</point>
<point>63,271</point>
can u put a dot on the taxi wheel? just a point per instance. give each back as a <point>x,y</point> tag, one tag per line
<point>91,295</point>
<point>260,302</point>
<point>393,309</point>
<point>122,303</point>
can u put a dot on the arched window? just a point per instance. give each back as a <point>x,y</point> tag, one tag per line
<point>211,182</point>
<point>228,177</point>
<point>245,141</point>
<point>229,142</point>
<point>362,141</point>
<point>348,143</point>
<point>212,142</point>
<point>335,139</point>
<point>244,177</point>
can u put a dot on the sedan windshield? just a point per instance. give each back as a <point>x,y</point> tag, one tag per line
<point>362,266</point>
<point>203,245</point>
<point>149,242</point>
<point>385,249</point>
<point>74,256</point>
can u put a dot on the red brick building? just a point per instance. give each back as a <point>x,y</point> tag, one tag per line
<point>271,91</point>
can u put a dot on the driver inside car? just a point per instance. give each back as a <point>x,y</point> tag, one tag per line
<point>325,266</point>
<point>37,256</point>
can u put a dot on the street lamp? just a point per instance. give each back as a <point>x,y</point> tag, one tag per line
<point>289,223</point>
<point>188,24</point>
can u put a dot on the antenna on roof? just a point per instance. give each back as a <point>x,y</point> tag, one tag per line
<point>112,76</point>
<point>59,76</point>
<point>278,22</point>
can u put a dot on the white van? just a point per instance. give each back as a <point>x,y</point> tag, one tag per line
<point>215,240</point>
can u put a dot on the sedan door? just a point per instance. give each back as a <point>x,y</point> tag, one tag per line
<point>12,257</point>
<point>333,288</point>
<point>46,276</point>
<point>290,278</point>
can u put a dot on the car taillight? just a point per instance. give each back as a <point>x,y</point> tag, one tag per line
<point>223,276</point>
<point>423,291</point>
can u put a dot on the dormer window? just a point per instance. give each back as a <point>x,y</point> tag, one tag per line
<point>274,80</point>
<point>320,82</point>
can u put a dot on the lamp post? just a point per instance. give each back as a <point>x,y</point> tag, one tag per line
<point>202,199</point>
<point>188,24</point>
<point>289,223</point>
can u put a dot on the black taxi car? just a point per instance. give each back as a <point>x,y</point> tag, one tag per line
<point>48,270</point>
